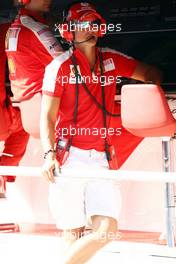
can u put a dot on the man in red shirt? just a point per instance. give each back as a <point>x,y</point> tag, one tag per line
<point>78,100</point>
<point>11,130</point>
<point>30,46</point>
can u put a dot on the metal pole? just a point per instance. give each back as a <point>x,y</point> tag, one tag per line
<point>169,191</point>
<point>94,174</point>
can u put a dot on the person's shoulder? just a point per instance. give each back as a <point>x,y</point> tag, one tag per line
<point>60,61</point>
<point>112,52</point>
<point>41,33</point>
<point>32,25</point>
<point>23,26</point>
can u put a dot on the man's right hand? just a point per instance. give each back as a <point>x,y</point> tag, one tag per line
<point>48,169</point>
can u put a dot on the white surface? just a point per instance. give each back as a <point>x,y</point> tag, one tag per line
<point>19,248</point>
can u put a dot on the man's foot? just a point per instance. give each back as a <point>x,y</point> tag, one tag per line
<point>2,187</point>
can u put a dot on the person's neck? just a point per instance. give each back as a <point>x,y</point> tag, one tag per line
<point>90,53</point>
<point>39,13</point>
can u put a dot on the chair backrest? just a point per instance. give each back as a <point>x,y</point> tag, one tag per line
<point>145,111</point>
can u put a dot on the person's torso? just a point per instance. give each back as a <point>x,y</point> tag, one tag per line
<point>30,46</point>
<point>90,128</point>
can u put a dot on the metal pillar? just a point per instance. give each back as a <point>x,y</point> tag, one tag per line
<point>167,150</point>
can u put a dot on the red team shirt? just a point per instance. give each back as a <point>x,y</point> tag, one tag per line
<point>30,46</point>
<point>89,115</point>
<point>3,29</point>
<point>11,131</point>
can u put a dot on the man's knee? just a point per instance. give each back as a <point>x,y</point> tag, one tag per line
<point>73,234</point>
<point>104,228</point>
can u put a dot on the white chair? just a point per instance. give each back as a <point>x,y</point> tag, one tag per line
<point>145,113</point>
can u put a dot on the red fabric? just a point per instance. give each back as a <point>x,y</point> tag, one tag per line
<point>15,142</point>
<point>6,121</point>
<point>83,12</point>
<point>5,118</point>
<point>27,53</point>
<point>89,115</point>
<point>11,130</point>
<point>3,30</point>
<point>126,143</point>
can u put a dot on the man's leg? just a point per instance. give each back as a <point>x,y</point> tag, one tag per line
<point>2,187</point>
<point>66,202</point>
<point>104,230</point>
<point>69,236</point>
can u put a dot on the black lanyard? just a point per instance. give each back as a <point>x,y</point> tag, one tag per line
<point>102,107</point>
<point>75,114</point>
<point>79,77</point>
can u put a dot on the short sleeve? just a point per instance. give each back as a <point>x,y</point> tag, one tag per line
<point>43,42</point>
<point>125,65</point>
<point>41,49</point>
<point>53,82</point>
<point>52,85</point>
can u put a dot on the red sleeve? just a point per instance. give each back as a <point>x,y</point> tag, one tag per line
<point>46,48</point>
<point>56,76</point>
<point>124,64</point>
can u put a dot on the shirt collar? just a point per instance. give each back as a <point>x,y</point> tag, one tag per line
<point>79,54</point>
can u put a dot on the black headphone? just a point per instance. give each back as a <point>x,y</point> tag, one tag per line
<point>65,28</point>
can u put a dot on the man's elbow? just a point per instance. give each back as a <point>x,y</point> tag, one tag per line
<point>148,73</point>
<point>46,121</point>
<point>153,75</point>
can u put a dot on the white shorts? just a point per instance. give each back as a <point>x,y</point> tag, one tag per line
<point>73,202</point>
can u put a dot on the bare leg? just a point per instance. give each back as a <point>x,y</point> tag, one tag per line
<point>68,238</point>
<point>104,229</point>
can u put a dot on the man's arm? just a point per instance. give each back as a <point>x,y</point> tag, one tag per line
<point>49,110</point>
<point>147,73</point>
<point>129,67</point>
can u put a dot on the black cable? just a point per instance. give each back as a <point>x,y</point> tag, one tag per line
<point>75,114</point>
<point>88,91</point>
<point>108,156</point>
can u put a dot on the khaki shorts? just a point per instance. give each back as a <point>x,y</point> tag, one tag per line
<point>73,202</point>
